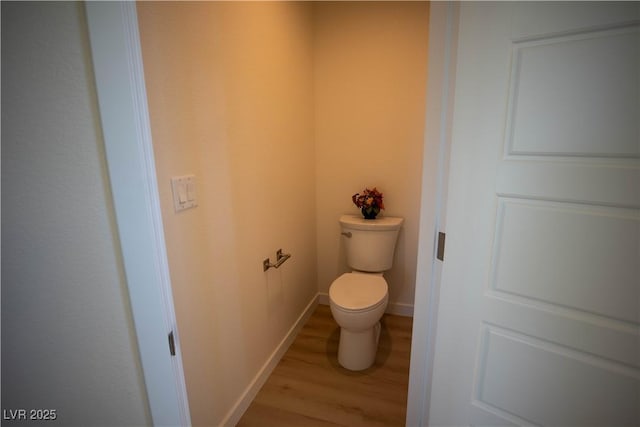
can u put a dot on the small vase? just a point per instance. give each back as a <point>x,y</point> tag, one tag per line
<point>370,212</point>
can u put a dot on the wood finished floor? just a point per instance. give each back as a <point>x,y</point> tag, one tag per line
<point>309,387</point>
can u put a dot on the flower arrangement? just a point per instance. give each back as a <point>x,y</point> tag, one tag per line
<point>369,201</point>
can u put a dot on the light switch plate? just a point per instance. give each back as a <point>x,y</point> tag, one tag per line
<point>184,192</point>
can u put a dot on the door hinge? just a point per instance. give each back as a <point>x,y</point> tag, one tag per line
<point>440,251</point>
<point>172,344</point>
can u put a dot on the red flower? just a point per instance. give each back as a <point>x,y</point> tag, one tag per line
<point>368,199</point>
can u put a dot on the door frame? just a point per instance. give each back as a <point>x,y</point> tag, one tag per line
<point>118,68</point>
<point>443,40</point>
<point>122,100</point>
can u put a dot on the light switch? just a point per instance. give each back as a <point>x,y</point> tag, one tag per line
<point>184,192</point>
<point>191,191</point>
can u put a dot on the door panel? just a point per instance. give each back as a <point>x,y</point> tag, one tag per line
<point>547,251</point>
<point>539,315</point>
<point>576,94</point>
<point>551,384</point>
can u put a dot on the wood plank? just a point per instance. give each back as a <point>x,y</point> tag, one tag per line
<point>310,388</point>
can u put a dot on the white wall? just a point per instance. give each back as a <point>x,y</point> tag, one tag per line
<point>230,99</point>
<point>67,335</point>
<point>370,97</point>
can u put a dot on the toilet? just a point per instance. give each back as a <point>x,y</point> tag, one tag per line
<point>359,299</point>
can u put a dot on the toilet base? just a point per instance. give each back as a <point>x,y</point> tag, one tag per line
<point>357,350</point>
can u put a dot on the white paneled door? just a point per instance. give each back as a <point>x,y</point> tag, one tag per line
<point>539,313</point>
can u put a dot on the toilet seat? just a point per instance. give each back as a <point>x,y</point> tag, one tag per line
<point>355,292</point>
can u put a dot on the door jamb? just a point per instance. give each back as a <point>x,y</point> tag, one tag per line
<point>117,64</point>
<point>443,37</point>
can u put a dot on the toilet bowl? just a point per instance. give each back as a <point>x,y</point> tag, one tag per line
<point>357,301</point>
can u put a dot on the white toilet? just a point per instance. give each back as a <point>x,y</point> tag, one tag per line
<point>358,299</point>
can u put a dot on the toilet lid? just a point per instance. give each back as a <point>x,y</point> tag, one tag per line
<point>354,291</point>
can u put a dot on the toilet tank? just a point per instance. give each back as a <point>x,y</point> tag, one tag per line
<point>370,243</point>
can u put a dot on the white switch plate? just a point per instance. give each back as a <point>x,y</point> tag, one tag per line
<point>184,192</point>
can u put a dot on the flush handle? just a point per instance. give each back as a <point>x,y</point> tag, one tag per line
<point>346,234</point>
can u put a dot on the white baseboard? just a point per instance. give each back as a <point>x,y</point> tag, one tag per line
<point>323,298</point>
<point>400,309</point>
<point>397,308</point>
<point>233,416</point>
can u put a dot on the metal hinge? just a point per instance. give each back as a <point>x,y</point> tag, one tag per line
<point>172,344</point>
<point>440,251</point>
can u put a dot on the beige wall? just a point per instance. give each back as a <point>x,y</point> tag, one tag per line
<point>370,96</point>
<point>282,110</point>
<point>68,341</point>
<point>230,97</point>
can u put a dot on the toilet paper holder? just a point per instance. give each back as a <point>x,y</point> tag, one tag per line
<point>280,259</point>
